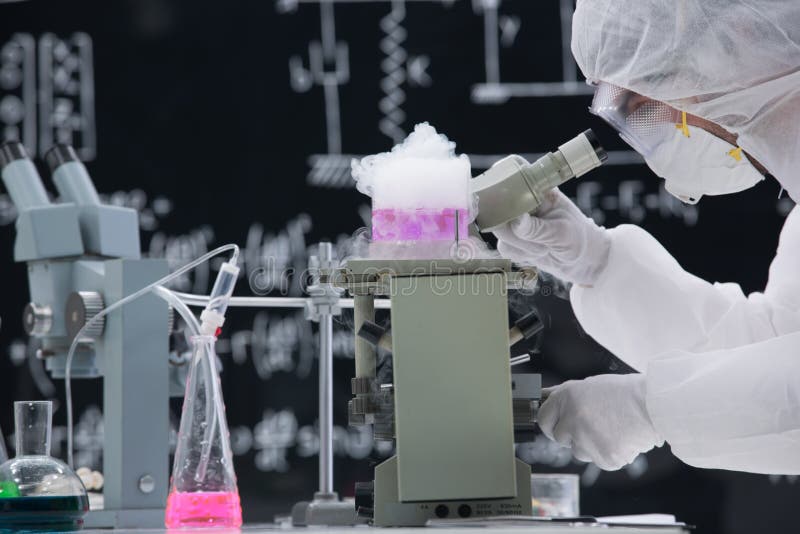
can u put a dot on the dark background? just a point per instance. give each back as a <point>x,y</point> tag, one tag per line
<point>199,128</point>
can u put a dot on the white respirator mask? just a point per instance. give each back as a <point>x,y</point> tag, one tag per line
<point>692,161</point>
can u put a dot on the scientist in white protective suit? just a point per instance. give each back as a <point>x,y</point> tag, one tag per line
<point>708,91</point>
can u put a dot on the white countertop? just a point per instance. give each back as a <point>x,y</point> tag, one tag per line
<point>540,528</point>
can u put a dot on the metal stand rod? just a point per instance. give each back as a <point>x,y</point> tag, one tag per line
<point>271,302</point>
<point>325,403</point>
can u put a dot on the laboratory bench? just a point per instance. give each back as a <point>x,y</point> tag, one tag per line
<point>539,528</point>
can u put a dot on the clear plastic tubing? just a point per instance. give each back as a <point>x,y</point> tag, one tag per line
<point>133,296</point>
<point>211,378</point>
<point>181,307</point>
<point>212,318</point>
<point>223,289</point>
<point>194,328</point>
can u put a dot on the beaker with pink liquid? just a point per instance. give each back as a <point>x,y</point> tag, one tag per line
<point>420,224</point>
<point>420,207</point>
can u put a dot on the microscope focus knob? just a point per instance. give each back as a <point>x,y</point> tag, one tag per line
<point>170,320</point>
<point>365,499</point>
<point>37,319</point>
<point>81,307</point>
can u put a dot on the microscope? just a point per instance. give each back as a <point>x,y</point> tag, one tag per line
<point>452,406</point>
<point>83,255</point>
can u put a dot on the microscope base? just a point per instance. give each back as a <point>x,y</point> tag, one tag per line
<point>325,509</point>
<point>390,512</point>
<point>142,518</point>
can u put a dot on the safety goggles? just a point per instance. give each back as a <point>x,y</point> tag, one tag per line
<point>642,122</point>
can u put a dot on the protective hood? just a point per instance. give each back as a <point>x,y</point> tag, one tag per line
<point>733,62</point>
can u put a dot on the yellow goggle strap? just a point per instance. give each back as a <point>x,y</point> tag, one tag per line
<point>683,127</point>
<point>735,153</point>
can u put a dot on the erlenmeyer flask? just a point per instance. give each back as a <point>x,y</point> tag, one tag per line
<point>37,491</point>
<point>203,491</point>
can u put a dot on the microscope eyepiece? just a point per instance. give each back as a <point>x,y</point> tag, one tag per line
<point>59,155</point>
<point>598,150</point>
<point>583,153</point>
<point>11,151</point>
<point>512,186</point>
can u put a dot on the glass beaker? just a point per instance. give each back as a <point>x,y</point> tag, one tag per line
<point>555,494</point>
<point>203,491</point>
<point>37,491</point>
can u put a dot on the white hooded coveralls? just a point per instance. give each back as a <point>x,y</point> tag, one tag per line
<point>723,368</point>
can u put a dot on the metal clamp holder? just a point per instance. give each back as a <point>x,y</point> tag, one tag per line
<point>321,307</point>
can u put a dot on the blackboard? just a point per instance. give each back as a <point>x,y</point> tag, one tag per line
<point>236,122</point>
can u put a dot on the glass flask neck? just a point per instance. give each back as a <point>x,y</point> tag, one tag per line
<point>33,423</point>
<point>3,452</point>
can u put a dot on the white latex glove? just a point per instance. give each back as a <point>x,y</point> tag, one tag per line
<point>603,418</point>
<point>559,240</point>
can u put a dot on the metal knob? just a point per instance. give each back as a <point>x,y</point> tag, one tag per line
<point>37,319</point>
<point>147,484</point>
<point>365,499</point>
<point>81,307</point>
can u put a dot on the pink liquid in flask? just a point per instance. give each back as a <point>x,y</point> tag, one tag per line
<point>201,509</point>
<point>420,224</point>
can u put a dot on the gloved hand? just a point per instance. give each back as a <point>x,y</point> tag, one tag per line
<point>559,239</point>
<point>603,418</point>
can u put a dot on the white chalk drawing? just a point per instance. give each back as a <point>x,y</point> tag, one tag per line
<point>329,68</point>
<point>632,200</point>
<point>18,90</point>
<point>501,30</point>
<point>277,343</point>
<point>279,435</point>
<point>66,94</point>
<point>60,109</point>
